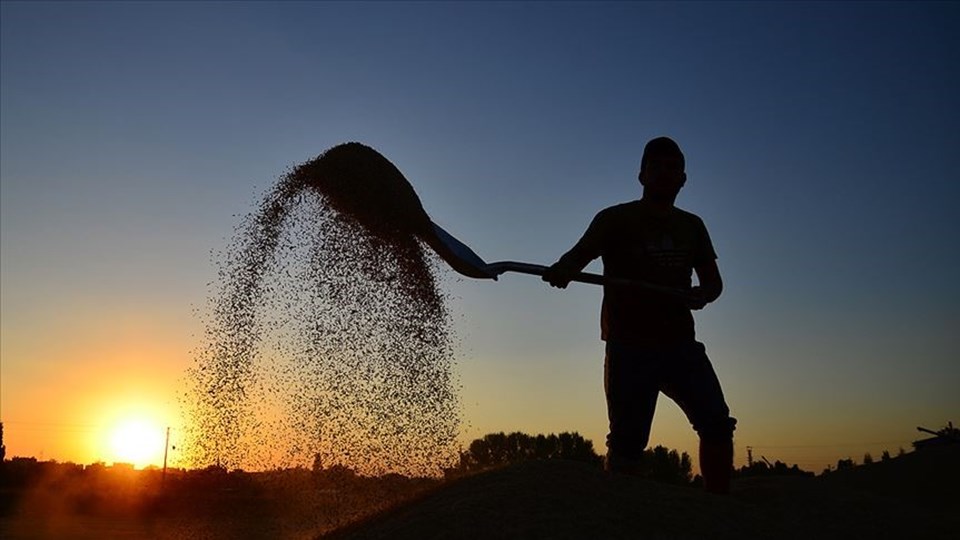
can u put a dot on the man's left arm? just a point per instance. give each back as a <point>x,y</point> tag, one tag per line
<point>709,286</point>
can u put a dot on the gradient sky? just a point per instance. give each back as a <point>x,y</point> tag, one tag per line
<point>822,145</point>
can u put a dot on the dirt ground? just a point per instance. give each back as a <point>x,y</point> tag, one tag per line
<point>915,496</point>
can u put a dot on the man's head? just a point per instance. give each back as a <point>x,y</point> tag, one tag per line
<point>662,169</point>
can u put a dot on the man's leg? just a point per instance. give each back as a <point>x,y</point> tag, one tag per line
<point>631,388</point>
<point>691,381</point>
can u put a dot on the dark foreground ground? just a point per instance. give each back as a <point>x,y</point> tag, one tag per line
<point>914,496</point>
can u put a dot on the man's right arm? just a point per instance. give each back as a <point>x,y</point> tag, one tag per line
<point>588,248</point>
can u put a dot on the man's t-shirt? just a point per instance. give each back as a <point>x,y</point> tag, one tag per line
<point>638,244</point>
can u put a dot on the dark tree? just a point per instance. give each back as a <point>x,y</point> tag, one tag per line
<point>665,465</point>
<point>498,449</point>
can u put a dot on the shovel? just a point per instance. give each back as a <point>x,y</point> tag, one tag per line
<point>466,262</point>
<point>361,183</point>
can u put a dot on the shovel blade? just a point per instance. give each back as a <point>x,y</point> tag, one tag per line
<point>458,255</point>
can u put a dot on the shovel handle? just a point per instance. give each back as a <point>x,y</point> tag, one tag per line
<point>498,268</point>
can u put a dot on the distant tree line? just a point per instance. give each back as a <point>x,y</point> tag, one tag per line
<point>501,449</point>
<point>778,468</point>
<point>666,465</point>
<point>332,495</point>
<point>848,463</point>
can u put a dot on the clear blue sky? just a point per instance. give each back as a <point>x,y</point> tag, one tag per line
<point>822,146</point>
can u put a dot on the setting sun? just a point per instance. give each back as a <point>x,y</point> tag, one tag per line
<point>137,441</point>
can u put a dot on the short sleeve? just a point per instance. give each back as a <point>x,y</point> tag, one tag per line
<point>703,252</point>
<point>589,246</point>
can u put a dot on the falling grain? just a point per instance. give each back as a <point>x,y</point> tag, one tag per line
<point>327,338</point>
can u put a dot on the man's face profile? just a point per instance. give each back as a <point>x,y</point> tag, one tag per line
<point>663,175</point>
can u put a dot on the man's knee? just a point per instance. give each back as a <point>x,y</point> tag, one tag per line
<point>629,446</point>
<point>717,431</point>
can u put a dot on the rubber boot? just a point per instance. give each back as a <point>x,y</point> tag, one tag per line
<point>716,465</point>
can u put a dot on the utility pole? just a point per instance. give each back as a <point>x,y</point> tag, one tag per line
<point>750,457</point>
<point>166,447</point>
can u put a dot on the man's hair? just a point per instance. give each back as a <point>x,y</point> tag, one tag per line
<point>661,146</point>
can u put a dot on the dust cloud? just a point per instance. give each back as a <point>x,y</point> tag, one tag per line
<point>327,337</point>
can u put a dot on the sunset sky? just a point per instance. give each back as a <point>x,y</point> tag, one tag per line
<point>822,144</point>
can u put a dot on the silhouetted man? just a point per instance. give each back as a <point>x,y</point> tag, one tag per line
<point>650,341</point>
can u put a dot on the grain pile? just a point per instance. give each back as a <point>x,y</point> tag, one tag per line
<point>327,338</point>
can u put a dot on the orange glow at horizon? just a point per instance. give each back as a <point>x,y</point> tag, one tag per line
<point>137,441</point>
<point>76,393</point>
